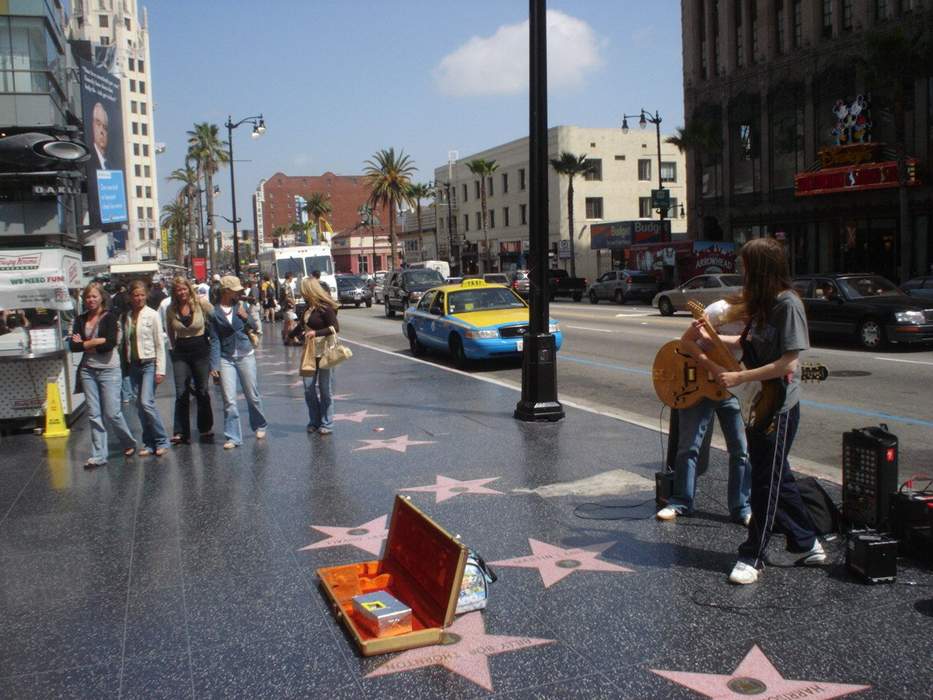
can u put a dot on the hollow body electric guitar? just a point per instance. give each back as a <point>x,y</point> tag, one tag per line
<point>681,381</point>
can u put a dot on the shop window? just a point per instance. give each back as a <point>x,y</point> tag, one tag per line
<point>644,207</point>
<point>594,207</point>
<point>668,172</point>
<point>644,169</point>
<point>103,21</point>
<point>139,191</point>
<point>137,170</point>
<point>595,171</point>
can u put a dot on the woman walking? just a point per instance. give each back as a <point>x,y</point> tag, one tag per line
<point>232,357</point>
<point>318,322</point>
<point>144,352</point>
<point>186,323</point>
<point>96,334</point>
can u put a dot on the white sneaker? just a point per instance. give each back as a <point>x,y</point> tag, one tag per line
<point>667,513</point>
<point>260,434</point>
<point>743,574</point>
<point>814,557</point>
<point>324,431</point>
<point>747,519</point>
<point>229,445</point>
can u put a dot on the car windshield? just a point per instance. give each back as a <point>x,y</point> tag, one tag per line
<point>320,263</point>
<point>286,265</point>
<point>731,280</point>
<point>482,300</point>
<point>496,279</point>
<point>867,286</point>
<point>424,277</point>
<point>350,282</point>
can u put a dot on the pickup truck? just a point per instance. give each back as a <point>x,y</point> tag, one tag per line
<point>561,284</point>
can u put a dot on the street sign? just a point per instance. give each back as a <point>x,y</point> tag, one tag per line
<point>563,249</point>
<point>661,199</point>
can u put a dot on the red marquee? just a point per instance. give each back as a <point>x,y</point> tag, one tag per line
<point>853,178</point>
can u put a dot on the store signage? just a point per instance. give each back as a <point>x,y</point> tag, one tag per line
<point>506,247</point>
<point>20,262</point>
<point>55,190</point>
<point>868,176</point>
<point>616,235</point>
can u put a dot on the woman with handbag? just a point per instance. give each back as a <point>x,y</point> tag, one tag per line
<point>317,323</point>
<point>96,334</point>
<point>144,352</point>
<point>186,324</point>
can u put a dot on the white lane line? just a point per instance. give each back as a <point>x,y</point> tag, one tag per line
<point>631,315</point>
<point>910,362</point>
<point>587,328</point>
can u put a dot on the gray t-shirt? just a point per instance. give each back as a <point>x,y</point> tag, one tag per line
<point>785,331</point>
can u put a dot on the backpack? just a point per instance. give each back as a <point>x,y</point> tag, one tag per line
<point>823,510</point>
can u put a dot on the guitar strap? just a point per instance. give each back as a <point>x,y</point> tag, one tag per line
<point>744,344</point>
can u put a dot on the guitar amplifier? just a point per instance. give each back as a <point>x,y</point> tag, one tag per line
<point>869,475</point>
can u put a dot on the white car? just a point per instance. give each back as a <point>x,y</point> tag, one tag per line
<point>703,288</point>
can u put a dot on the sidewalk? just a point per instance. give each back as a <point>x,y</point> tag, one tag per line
<point>193,576</point>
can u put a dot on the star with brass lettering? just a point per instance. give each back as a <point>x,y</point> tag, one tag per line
<point>756,675</point>
<point>358,417</point>
<point>446,488</point>
<point>556,563</point>
<point>396,444</point>
<point>368,536</point>
<point>465,651</point>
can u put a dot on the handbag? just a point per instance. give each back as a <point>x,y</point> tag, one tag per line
<point>308,365</point>
<point>474,587</point>
<point>334,353</point>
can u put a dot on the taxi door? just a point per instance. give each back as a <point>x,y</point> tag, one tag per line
<point>419,317</point>
<point>435,323</point>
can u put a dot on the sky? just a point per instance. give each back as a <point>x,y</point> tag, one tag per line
<point>339,80</point>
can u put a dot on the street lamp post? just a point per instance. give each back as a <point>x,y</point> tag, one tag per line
<point>644,119</point>
<point>450,230</point>
<point>229,221</point>
<point>259,128</point>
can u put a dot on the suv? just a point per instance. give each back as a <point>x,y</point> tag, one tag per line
<point>520,283</point>
<point>403,288</point>
<point>622,286</point>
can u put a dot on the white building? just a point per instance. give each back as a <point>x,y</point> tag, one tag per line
<point>117,23</point>
<point>625,170</point>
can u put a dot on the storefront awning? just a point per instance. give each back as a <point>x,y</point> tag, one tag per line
<point>31,289</point>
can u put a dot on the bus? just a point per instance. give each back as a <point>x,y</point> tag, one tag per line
<point>301,261</point>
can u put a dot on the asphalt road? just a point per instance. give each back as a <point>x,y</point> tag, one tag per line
<point>608,350</point>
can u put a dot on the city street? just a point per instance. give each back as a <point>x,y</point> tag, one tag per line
<point>606,360</point>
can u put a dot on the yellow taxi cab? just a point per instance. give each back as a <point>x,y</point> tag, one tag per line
<point>472,320</point>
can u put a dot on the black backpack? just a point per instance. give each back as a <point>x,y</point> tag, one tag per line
<point>823,510</point>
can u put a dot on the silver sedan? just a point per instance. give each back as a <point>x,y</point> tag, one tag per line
<point>703,288</point>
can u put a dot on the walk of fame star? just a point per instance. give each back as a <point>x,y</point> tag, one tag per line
<point>396,444</point>
<point>368,536</point>
<point>555,563</point>
<point>756,675</point>
<point>446,488</point>
<point>358,417</point>
<point>466,655</point>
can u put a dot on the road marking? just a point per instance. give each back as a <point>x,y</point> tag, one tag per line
<point>910,362</point>
<point>863,412</point>
<point>604,365</point>
<point>587,328</point>
<point>631,315</point>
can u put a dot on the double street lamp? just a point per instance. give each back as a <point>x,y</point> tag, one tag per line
<point>645,118</point>
<point>259,128</point>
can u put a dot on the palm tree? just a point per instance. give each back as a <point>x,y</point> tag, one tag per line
<point>189,191</point>
<point>210,152</point>
<point>700,135</point>
<point>175,218</point>
<point>482,169</point>
<point>317,206</point>
<point>278,233</point>
<point>300,232</point>
<point>571,165</point>
<point>417,192</point>
<point>389,177</point>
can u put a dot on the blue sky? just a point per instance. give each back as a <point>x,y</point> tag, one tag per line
<point>338,80</point>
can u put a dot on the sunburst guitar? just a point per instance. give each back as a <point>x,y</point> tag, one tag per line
<point>681,382</point>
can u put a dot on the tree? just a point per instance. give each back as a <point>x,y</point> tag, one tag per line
<point>300,232</point>
<point>482,169</point>
<point>209,152</point>
<point>702,136</point>
<point>571,165</point>
<point>417,192</point>
<point>175,219</point>
<point>389,177</point>
<point>189,191</point>
<point>278,233</point>
<point>317,206</point>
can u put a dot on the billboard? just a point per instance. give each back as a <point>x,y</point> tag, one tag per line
<point>103,135</point>
<point>616,235</point>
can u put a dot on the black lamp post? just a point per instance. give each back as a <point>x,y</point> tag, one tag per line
<point>259,128</point>
<point>229,221</point>
<point>539,361</point>
<point>644,119</point>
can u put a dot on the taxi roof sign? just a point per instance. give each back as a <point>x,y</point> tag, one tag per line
<point>467,284</point>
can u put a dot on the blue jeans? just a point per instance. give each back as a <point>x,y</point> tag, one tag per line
<point>142,377</point>
<point>126,389</point>
<point>102,393</point>
<point>245,368</point>
<point>693,424</point>
<point>319,390</point>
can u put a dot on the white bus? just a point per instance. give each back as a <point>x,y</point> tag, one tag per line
<point>301,261</point>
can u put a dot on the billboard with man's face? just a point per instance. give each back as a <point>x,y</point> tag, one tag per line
<point>103,134</point>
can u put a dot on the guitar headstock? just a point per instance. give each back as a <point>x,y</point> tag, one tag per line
<point>814,372</point>
<point>696,308</point>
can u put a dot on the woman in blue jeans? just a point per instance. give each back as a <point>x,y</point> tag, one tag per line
<point>317,323</point>
<point>95,334</point>
<point>144,352</point>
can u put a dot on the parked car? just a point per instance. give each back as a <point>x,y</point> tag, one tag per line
<point>561,284</point>
<point>867,307</point>
<point>622,286</point>
<point>520,283</point>
<point>353,290</point>
<point>920,287</point>
<point>454,280</point>
<point>403,288</point>
<point>496,278</point>
<point>375,281</point>
<point>703,288</point>
<point>472,320</point>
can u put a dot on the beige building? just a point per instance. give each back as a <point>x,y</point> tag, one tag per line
<point>118,24</point>
<point>625,170</point>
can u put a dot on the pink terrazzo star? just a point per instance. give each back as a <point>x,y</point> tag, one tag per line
<point>396,444</point>
<point>358,417</point>
<point>755,676</point>
<point>555,563</point>
<point>368,536</point>
<point>466,655</point>
<point>446,488</point>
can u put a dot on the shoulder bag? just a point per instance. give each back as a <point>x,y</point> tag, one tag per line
<point>334,352</point>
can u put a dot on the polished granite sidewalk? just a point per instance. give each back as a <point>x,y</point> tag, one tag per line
<point>193,576</point>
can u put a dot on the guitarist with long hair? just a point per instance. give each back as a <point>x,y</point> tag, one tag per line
<point>775,334</point>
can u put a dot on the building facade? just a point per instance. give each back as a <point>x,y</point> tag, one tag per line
<point>420,240</point>
<point>123,33</point>
<point>797,125</point>
<point>624,171</point>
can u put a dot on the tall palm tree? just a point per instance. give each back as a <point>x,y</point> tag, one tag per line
<point>188,177</point>
<point>417,192</point>
<point>483,169</point>
<point>317,206</point>
<point>571,165</point>
<point>210,152</point>
<point>389,176</point>
<point>175,218</point>
<point>278,233</point>
<point>301,233</point>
